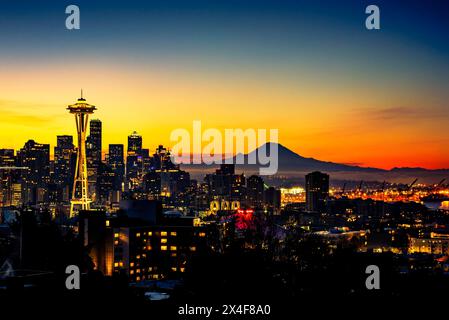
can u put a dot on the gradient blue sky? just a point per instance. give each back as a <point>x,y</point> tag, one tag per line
<point>335,90</point>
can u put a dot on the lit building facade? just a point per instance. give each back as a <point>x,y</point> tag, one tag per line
<point>155,252</point>
<point>116,161</point>
<point>36,158</point>
<point>145,244</point>
<point>255,191</point>
<point>134,161</point>
<point>64,165</point>
<point>10,179</point>
<point>317,191</point>
<point>94,157</point>
<point>436,243</point>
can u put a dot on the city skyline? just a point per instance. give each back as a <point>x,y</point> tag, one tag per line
<point>228,157</point>
<point>369,98</point>
<point>105,150</point>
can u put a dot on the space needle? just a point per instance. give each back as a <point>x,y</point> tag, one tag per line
<point>80,197</point>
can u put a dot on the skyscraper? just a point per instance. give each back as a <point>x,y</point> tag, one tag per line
<point>255,191</point>
<point>272,199</point>
<point>64,166</point>
<point>116,161</point>
<point>7,158</point>
<point>134,142</point>
<point>164,180</point>
<point>162,160</point>
<point>93,156</point>
<point>64,153</point>
<point>134,160</point>
<point>221,183</point>
<point>10,185</point>
<point>105,184</point>
<point>317,191</point>
<point>63,142</point>
<point>94,141</point>
<point>36,157</point>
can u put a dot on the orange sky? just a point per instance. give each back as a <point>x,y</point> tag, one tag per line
<point>369,124</point>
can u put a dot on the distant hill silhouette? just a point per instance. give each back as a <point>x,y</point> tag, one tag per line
<point>291,161</point>
<point>293,164</point>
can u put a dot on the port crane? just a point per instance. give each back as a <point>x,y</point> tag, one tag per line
<point>439,184</point>
<point>409,187</point>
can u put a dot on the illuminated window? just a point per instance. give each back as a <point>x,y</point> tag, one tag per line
<point>138,235</point>
<point>182,269</point>
<point>149,248</point>
<point>107,223</point>
<point>202,234</point>
<point>163,233</point>
<point>115,264</point>
<point>173,254</point>
<point>150,233</point>
<point>174,269</point>
<point>138,271</point>
<point>173,233</point>
<point>164,248</point>
<point>137,278</point>
<point>120,264</point>
<point>116,235</point>
<point>138,257</point>
<point>131,264</point>
<point>193,248</point>
<point>163,240</point>
<point>173,248</point>
<point>196,222</point>
<point>131,272</point>
<point>150,268</point>
<point>116,242</point>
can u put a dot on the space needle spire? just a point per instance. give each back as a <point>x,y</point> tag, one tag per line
<point>80,197</point>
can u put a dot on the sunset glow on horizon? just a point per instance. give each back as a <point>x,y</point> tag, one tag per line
<point>354,97</point>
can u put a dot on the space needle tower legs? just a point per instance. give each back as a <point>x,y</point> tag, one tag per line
<point>80,197</point>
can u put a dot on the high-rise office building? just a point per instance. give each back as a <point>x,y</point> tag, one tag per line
<point>238,187</point>
<point>36,157</point>
<point>152,185</point>
<point>94,141</point>
<point>116,161</point>
<point>64,161</point>
<point>226,190</point>
<point>105,184</point>
<point>255,191</point>
<point>221,183</point>
<point>133,166</point>
<point>63,142</point>
<point>10,186</point>
<point>93,156</point>
<point>164,180</point>
<point>317,191</point>
<point>7,158</point>
<point>134,142</point>
<point>146,160</point>
<point>162,160</point>
<point>134,161</point>
<point>272,199</point>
